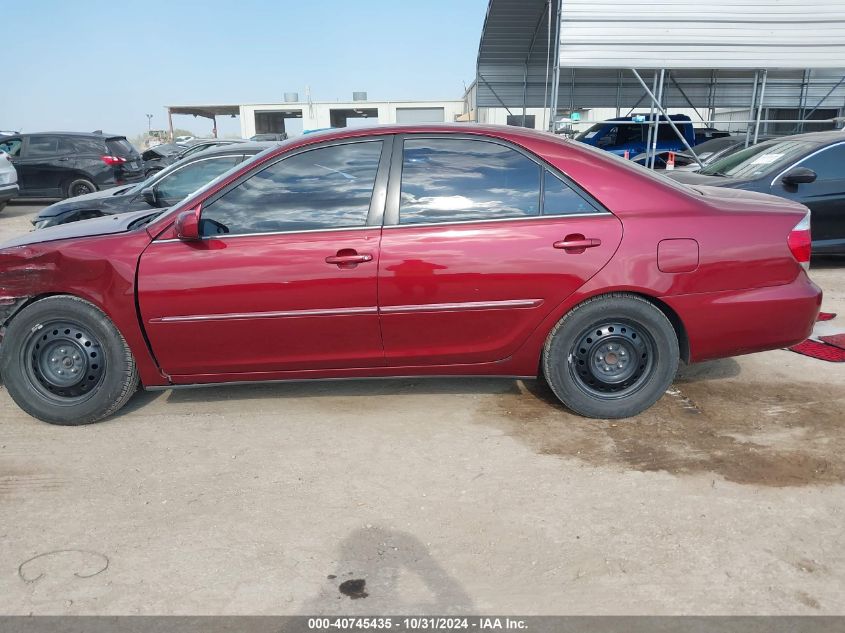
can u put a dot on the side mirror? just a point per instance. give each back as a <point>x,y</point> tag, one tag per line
<point>150,196</point>
<point>188,225</point>
<point>798,176</point>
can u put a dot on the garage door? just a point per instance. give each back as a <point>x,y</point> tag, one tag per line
<point>420,115</point>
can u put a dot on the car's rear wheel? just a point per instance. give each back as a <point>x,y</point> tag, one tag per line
<point>64,362</point>
<point>79,187</point>
<point>612,356</point>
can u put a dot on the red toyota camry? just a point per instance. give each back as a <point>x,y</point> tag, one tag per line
<point>399,251</point>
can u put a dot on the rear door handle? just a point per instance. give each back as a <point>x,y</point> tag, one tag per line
<point>348,258</point>
<point>577,243</point>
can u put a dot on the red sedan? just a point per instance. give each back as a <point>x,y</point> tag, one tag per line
<point>400,251</point>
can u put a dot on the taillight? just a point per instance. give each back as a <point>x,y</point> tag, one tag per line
<point>800,242</point>
<point>113,160</point>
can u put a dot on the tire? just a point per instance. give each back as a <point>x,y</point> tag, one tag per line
<point>151,172</point>
<point>587,359</point>
<point>79,187</point>
<point>64,362</point>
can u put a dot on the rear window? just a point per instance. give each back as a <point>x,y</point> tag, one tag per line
<point>81,145</point>
<point>119,147</point>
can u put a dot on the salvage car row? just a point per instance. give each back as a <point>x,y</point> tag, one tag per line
<point>399,251</point>
<point>807,168</point>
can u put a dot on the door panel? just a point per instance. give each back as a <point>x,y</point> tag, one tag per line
<point>45,162</point>
<point>472,293</point>
<point>825,197</point>
<point>261,303</point>
<point>285,277</point>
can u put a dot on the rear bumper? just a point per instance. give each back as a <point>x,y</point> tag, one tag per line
<point>7,192</point>
<point>721,324</point>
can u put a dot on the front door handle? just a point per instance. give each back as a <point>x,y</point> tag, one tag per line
<point>348,258</point>
<point>577,243</point>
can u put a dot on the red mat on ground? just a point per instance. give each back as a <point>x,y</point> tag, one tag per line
<point>826,316</point>
<point>821,351</point>
<point>835,339</point>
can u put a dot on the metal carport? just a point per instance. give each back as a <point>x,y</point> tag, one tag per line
<point>567,54</point>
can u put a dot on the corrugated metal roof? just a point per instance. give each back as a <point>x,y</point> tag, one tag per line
<point>711,50</point>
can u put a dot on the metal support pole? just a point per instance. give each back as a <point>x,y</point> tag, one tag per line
<point>618,91</point>
<point>548,56</point>
<point>170,124</point>
<point>527,58</point>
<point>556,73</point>
<point>670,121</point>
<point>823,99</point>
<point>711,96</point>
<point>650,122</point>
<point>760,106</point>
<point>684,94</point>
<point>524,91</point>
<point>751,109</point>
<point>495,94</point>
<point>657,120</point>
<point>802,102</point>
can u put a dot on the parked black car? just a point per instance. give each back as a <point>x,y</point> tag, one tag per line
<point>807,168</point>
<point>68,164</point>
<point>158,157</point>
<point>162,189</point>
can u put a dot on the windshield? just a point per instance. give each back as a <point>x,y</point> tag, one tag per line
<point>590,132</point>
<point>149,182</point>
<point>758,160</point>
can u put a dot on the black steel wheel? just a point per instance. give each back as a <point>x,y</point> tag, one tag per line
<point>613,359</point>
<point>612,356</point>
<point>63,361</point>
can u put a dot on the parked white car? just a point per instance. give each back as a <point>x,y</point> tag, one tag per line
<point>8,180</point>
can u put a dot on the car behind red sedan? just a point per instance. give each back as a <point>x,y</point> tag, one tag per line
<point>398,251</point>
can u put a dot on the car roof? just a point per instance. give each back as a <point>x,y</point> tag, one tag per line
<point>246,146</point>
<point>51,133</point>
<point>217,141</point>
<point>498,131</point>
<point>829,136</point>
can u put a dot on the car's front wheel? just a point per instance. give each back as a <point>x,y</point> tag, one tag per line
<point>612,356</point>
<point>64,362</point>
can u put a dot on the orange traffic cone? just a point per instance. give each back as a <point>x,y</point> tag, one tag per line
<point>670,162</point>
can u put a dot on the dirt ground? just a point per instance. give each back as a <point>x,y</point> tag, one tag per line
<point>436,496</point>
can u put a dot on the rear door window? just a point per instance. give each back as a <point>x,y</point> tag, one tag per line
<point>460,180</point>
<point>561,199</point>
<point>42,145</point>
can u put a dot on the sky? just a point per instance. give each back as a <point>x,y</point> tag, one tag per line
<point>92,64</point>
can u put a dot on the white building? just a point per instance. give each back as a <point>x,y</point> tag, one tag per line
<point>294,116</point>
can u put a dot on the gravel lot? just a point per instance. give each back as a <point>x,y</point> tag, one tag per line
<point>445,496</point>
